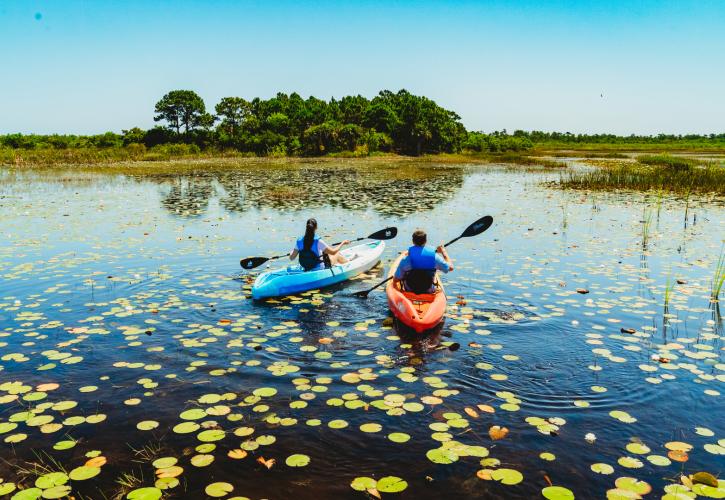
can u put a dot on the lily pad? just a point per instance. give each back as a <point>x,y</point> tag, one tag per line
<point>217,490</point>
<point>557,493</point>
<point>144,494</point>
<point>391,484</point>
<point>297,460</point>
<point>83,473</point>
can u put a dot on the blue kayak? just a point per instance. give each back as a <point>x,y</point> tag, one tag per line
<point>293,279</point>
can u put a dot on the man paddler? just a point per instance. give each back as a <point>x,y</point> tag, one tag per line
<point>418,268</point>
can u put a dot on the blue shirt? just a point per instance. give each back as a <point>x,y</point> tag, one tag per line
<point>405,266</point>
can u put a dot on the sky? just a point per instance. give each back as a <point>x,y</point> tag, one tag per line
<point>617,66</point>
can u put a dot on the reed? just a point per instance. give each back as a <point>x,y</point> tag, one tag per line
<point>639,177</point>
<point>718,279</point>
<point>646,227</point>
<point>667,161</point>
<point>669,288</point>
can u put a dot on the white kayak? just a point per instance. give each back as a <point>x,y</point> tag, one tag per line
<point>293,279</point>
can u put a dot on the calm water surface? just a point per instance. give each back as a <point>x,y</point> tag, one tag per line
<point>127,334</point>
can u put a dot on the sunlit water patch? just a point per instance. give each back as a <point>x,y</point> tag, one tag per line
<point>581,353</point>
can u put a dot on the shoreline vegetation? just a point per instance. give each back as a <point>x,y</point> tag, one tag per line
<point>388,129</point>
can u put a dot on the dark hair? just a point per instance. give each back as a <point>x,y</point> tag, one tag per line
<point>419,237</point>
<point>309,234</point>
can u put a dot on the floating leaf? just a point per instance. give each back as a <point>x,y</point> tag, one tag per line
<point>507,476</point>
<point>144,494</point>
<point>363,483</point>
<point>601,468</point>
<point>496,432</point>
<point>391,484</point>
<point>297,460</point>
<point>399,437</point>
<point>217,490</point>
<point>557,493</point>
<point>83,473</point>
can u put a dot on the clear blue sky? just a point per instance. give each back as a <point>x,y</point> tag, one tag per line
<point>623,66</point>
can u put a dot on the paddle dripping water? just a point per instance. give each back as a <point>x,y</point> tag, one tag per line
<point>132,355</point>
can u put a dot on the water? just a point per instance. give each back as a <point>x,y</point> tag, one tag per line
<point>125,290</point>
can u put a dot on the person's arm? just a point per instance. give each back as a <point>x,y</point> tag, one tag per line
<point>447,264</point>
<point>403,267</point>
<point>333,251</point>
<point>293,254</point>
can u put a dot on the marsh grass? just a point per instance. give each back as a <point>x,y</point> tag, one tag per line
<point>718,279</point>
<point>674,162</point>
<point>646,227</point>
<point>640,177</point>
<point>99,156</point>
<point>669,288</point>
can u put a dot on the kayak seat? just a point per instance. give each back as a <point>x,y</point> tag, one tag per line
<point>419,281</point>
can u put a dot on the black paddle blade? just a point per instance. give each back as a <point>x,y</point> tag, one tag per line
<point>384,234</point>
<point>252,262</point>
<point>478,227</point>
<point>362,294</point>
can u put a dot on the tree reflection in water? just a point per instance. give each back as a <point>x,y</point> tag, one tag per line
<point>390,192</point>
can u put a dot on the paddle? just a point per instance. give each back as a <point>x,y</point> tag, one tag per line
<point>474,229</point>
<point>384,234</point>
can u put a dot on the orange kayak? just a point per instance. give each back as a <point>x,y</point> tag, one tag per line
<point>420,312</point>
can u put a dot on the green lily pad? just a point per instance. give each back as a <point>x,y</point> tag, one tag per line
<point>144,494</point>
<point>507,476</point>
<point>217,490</point>
<point>601,468</point>
<point>337,424</point>
<point>210,435</point>
<point>26,494</point>
<point>391,484</point>
<point>297,460</point>
<point>186,427</point>
<point>659,460</point>
<point>638,448</point>
<point>363,483</point>
<point>7,427</point>
<point>557,493</point>
<point>633,484</point>
<point>57,491</point>
<point>64,445</point>
<point>399,437</point>
<point>147,425</point>
<point>202,460</point>
<point>82,473</point>
<point>51,479</point>
<point>265,392</point>
<point>163,462</point>
<point>193,414</point>
<point>441,455</point>
<point>7,488</point>
<point>372,427</point>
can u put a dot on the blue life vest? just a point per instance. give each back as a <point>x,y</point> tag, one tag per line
<point>309,258</point>
<point>423,262</point>
<point>422,258</point>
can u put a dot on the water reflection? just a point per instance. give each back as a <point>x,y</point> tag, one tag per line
<point>389,192</point>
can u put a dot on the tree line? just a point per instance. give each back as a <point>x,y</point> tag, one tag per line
<point>289,125</point>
